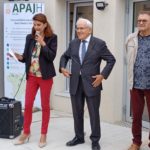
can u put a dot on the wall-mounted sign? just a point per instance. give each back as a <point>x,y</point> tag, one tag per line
<point>17,24</point>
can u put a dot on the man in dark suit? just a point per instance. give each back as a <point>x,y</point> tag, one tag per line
<point>86,53</point>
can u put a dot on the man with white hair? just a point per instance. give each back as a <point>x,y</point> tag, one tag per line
<point>86,53</point>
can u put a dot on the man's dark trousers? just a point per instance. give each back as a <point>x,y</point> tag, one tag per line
<point>93,104</point>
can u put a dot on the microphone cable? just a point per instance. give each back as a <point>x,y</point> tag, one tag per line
<point>19,85</point>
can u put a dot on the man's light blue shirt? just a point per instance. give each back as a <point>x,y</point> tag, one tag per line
<point>86,44</point>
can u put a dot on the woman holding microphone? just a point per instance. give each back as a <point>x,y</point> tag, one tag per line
<point>38,56</point>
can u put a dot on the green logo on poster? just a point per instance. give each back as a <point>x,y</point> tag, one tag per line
<point>31,8</point>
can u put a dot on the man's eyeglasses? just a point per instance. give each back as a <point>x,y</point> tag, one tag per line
<point>142,21</point>
<point>82,28</point>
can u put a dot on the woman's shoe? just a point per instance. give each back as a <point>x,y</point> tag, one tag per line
<point>24,138</point>
<point>42,142</point>
<point>134,147</point>
<point>41,145</point>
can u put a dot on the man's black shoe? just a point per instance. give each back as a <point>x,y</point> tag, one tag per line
<point>96,146</point>
<point>75,141</point>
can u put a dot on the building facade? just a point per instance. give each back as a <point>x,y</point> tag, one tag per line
<point>112,24</point>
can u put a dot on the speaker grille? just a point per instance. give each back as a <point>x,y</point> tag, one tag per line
<point>10,116</point>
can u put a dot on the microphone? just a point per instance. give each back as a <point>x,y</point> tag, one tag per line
<point>37,33</point>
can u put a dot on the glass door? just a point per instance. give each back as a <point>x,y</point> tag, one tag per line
<point>75,10</point>
<point>135,6</point>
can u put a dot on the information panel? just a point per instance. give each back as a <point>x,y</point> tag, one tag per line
<point>17,24</point>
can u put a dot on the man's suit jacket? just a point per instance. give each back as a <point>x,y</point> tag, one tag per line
<point>96,52</point>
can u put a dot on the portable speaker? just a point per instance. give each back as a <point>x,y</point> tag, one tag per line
<point>10,118</point>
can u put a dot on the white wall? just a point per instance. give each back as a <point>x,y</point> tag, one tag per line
<point>60,100</point>
<point>109,25</point>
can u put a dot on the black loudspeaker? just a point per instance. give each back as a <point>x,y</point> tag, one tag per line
<point>10,118</point>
